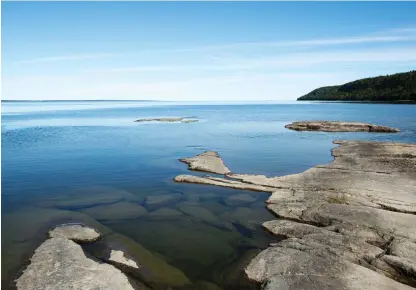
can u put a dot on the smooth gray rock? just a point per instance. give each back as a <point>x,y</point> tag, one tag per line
<point>338,126</point>
<point>209,161</point>
<point>77,233</point>
<point>60,263</point>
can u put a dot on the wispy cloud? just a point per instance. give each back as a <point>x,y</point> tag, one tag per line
<point>397,35</point>
<point>388,36</point>
<point>65,58</point>
<point>289,60</point>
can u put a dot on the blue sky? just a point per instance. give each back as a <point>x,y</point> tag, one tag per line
<point>199,51</point>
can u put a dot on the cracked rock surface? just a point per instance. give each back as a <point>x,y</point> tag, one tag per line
<point>350,224</point>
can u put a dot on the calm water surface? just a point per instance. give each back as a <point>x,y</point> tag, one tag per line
<point>89,162</point>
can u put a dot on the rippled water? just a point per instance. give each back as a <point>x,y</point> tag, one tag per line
<point>89,162</point>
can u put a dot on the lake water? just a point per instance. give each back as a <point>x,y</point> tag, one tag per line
<point>89,162</point>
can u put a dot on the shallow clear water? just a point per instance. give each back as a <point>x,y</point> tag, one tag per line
<point>67,160</point>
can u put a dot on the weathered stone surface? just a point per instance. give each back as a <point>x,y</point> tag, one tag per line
<point>119,210</point>
<point>239,199</point>
<point>337,126</point>
<point>156,201</point>
<point>209,161</point>
<point>77,233</point>
<point>288,268</point>
<point>60,263</point>
<point>351,223</point>
<point>167,120</point>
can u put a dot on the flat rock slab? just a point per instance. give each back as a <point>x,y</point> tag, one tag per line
<point>209,161</point>
<point>168,120</point>
<point>337,126</point>
<point>223,182</point>
<point>60,263</point>
<point>77,233</point>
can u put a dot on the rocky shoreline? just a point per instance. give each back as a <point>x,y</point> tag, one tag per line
<point>349,224</point>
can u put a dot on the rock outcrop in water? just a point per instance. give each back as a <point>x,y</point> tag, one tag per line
<point>209,161</point>
<point>168,120</point>
<point>350,224</point>
<point>338,126</point>
<point>31,225</point>
<point>60,263</point>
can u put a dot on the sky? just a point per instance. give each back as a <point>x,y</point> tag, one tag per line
<point>199,51</point>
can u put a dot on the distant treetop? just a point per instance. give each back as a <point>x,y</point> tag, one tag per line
<point>400,87</point>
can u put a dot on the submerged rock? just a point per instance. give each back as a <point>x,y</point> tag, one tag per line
<point>88,197</point>
<point>60,263</point>
<point>76,233</point>
<point>168,120</point>
<point>338,126</point>
<point>156,201</point>
<point>199,212</point>
<point>164,214</point>
<point>153,270</point>
<point>239,199</point>
<point>209,161</point>
<point>119,210</point>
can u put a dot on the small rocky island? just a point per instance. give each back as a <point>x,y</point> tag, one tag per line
<point>168,120</point>
<point>345,225</point>
<point>338,126</point>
